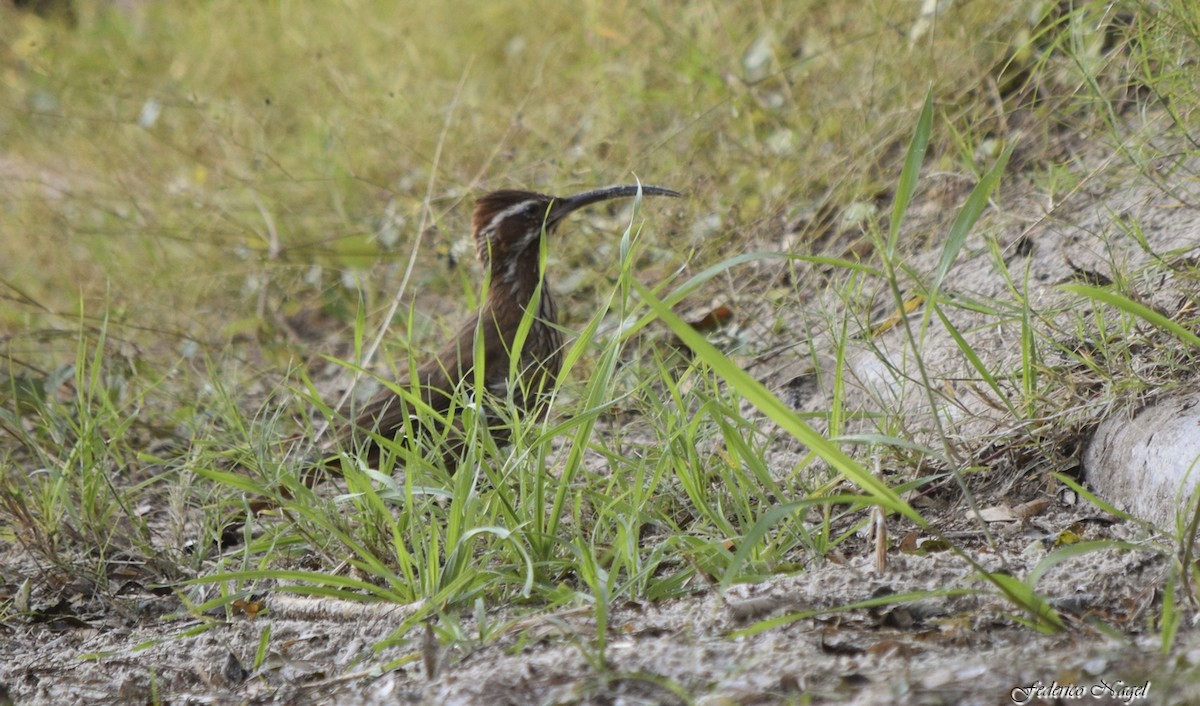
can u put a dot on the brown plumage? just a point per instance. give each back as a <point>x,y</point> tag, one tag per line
<point>508,228</point>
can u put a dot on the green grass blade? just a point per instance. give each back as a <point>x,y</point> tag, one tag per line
<point>1131,307</point>
<point>910,172</point>
<point>967,216</point>
<point>778,411</point>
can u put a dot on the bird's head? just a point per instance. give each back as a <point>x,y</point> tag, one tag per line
<point>509,224</point>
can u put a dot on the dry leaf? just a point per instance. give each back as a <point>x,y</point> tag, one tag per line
<point>998,513</point>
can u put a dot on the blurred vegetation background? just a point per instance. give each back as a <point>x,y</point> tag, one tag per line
<point>198,173</point>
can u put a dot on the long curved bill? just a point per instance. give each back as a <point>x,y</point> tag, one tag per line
<point>561,208</point>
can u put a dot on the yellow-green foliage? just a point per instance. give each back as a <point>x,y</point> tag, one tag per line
<point>148,154</point>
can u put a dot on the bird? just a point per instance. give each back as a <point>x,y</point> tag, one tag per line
<point>509,229</point>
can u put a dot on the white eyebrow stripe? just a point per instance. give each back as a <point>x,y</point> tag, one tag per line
<point>510,211</point>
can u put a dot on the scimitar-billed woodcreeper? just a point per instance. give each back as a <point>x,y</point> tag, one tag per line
<point>509,231</point>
